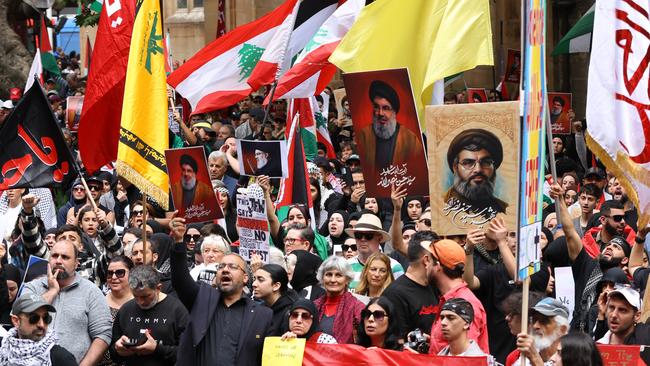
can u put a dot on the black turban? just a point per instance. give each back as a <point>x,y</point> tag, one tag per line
<point>380,89</point>
<point>479,137</point>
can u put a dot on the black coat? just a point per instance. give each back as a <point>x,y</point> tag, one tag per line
<point>201,301</point>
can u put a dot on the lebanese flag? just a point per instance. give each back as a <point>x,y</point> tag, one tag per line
<point>322,133</point>
<point>291,37</point>
<point>295,188</point>
<point>312,71</point>
<point>216,77</point>
<point>99,126</point>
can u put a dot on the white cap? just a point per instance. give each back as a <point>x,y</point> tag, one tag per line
<point>631,295</point>
<point>8,104</point>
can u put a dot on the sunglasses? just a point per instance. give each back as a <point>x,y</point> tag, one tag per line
<point>120,273</point>
<point>617,218</point>
<point>34,319</point>
<point>137,212</point>
<point>195,237</point>
<point>94,188</point>
<point>297,314</point>
<point>367,236</point>
<point>78,189</point>
<point>377,314</point>
<point>426,222</point>
<point>346,247</point>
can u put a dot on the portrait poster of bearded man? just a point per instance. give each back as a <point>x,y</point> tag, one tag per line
<point>263,158</point>
<point>191,188</point>
<point>473,165</point>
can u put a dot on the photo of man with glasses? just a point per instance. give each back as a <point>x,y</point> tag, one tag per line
<point>474,156</point>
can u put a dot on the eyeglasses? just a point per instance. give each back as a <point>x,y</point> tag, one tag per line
<point>540,318</point>
<point>469,164</point>
<point>426,222</point>
<point>120,273</point>
<point>377,314</point>
<point>366,236</point>
<point>231,266</point>
<point>291,241</point>
<point>94,188</point>
<point>34,318</point>
<point>195,237</point>
<point>346,247</point>
<point>617,218</point>
<point>137,212</point>
<point>297,314</point>
<point>78,189</point>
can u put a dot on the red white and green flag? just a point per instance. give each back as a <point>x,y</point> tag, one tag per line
<point>295,188</point>
<point>312,71</point>
<point>216,77</point>
<point>291,37</point>
<point>320,116</point>
<point>47,57</point>
<point>302,108</point>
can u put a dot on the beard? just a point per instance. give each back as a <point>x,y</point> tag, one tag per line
<point>475,192</point>
<point>151,304</point>
<point>544,342</point>
<point>383,131</point>
<point>611,230</point>
<point>261,162</point>
<point>606,264</point>
<point>62,275</point>
<point>188,184</point>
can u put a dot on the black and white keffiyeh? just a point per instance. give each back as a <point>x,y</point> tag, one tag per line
<point>25,352</point>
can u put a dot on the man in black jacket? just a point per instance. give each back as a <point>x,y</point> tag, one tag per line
<point>226,327</point>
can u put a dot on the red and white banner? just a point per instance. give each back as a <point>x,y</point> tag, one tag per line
<point>618,97</point>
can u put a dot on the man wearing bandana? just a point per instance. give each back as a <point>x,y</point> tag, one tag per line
<point>456,316</point>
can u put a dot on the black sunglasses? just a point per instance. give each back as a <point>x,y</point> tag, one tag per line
<point>94,187</point>
<point>305,316</point>
<point>617,218</point>
<point>377,314</point>
<point>195,237</point>
<point>137,212</point>
<point>34,318</point>
<point>367,236</point>
<point>347,247</point>
<point>120,273</point>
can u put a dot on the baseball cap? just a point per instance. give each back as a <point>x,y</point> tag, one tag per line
<point>550,307</point>
<point>631,295</point>
<point>354,157</point>
<point>447,252</point>
<point>595,171</point>
<point>28,303</point>
<point>7,104</point>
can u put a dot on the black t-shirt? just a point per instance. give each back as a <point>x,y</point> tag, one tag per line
<point>582,267</point>
<point>61,357</point>
<point>166,321</point>
<point>415,305</point>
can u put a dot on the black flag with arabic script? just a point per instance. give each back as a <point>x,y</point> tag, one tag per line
<point>32,150</point>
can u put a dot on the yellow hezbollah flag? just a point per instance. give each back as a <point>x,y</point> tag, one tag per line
<point>432,38</point>
<point>143,133</point>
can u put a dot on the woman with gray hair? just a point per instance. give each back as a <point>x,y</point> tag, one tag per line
<point>338,309</point>
<point>213,249</point>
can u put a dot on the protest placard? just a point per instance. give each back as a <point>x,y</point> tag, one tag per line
<point>565,288</point>
<point>36,267</point>
<point>283,353</point>
<point>470,188</point>
<point>74,105</point>
<point>263,158</point>
<point>513,66</point>
<point>620,355</point>
<point>387,132</point>
<point>192,192</point>
<point>559,107</point>
<point>173,125</point>
<point>252,223</point>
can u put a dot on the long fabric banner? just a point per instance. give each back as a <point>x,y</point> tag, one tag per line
<point>618,97</point>
<point>349,354</point>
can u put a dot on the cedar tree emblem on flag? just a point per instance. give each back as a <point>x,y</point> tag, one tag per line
<point>249,55</point>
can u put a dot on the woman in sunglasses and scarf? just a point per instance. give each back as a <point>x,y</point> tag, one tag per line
<point>378,327</point>
<point>303,323</point>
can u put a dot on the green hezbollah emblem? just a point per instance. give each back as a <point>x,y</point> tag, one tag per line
<point>249,55</point>
<point>152,43</point>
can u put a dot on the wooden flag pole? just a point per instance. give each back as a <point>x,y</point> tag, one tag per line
<point>144,227</point>
<point>524,312</point>
<point>92,201</point>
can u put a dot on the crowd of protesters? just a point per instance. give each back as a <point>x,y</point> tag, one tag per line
<point>360,270</point>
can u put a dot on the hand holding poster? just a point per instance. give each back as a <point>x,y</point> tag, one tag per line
<point>278,352</point>
<point>513,66</point>
<point>252,223</point>
<point>560,111</point>
<point>387,131</point>
<point>263,158</point>
<point>192,192</point>
<point>476,95</point>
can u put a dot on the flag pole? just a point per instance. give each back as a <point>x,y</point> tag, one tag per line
<point>144,227</point>
<point>271,94</point>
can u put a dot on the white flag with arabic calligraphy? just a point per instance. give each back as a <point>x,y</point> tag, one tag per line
<point>618,98</point>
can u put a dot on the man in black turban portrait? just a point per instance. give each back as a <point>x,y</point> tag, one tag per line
<point>474,156</point>
<point>385,142</point>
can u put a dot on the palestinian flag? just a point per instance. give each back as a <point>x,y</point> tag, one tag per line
<point>302,108</point>
<point>578,39</point>
<point>290,38</point>
<point>216,77</point>
<point>312,71</point>
<point>47,57</point>
<point>295,188</point>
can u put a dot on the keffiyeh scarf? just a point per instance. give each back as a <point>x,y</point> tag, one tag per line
<point>25,352</point>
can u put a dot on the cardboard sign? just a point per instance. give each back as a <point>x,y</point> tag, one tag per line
<point>470,188</point>
<point>618,355</point>
<point>74,105</point>
<point>252,223</point>
<point>283,353</point>
<point>263,158</point>
<point>173,125</point>
<point>387,132</point>
<point>559,107</point>
<point>191,188</point>
<point>476,95</point>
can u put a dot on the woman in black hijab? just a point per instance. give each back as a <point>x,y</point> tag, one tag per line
<point>303,276</point>
<point>302,322</point>
<point>10,280</point>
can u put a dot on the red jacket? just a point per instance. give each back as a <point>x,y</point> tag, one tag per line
<point>593,248</point>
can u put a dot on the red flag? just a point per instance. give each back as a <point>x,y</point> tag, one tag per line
<point>99,126</point>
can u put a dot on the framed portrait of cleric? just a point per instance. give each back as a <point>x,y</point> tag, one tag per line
<point>473,165</point>
<point>513,66</point>
<point>559,107</point>
<point>387,131</point>
<point>74,105</point>
<point>476,95</point>
<point>263,158</point>
<point>190,184</point>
